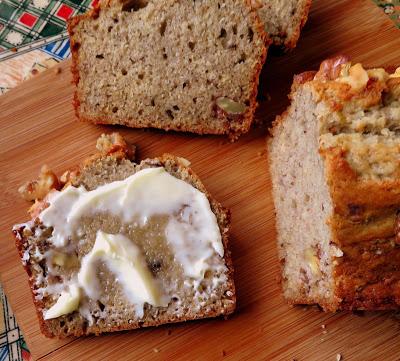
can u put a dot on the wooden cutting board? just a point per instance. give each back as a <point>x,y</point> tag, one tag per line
<point>38,126</point>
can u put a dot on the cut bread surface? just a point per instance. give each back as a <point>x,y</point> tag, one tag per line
<point>109,244</point>
<point>303,205</point>
<point>335,173</point>
<point>174,65</point>
<point>283,19</point>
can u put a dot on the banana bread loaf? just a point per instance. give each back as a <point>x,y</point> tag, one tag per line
<point>122,245</point>
<point>174,65</point>
<point>335,167</point>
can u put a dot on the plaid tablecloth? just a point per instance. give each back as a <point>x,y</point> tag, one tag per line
<point>33,38</point>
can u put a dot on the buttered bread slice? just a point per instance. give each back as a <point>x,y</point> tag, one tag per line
<point>116,245</point>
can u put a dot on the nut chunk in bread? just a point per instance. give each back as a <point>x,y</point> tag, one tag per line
<point>335,167</point>
<point>175,65</point>
<point>125,245</point>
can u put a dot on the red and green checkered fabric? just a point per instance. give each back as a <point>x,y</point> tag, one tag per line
<point>23,21</point>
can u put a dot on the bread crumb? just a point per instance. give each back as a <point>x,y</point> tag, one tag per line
<point>57,70</point>
<point>156,350</point>
<point>14,50</point>
<point>114,144</point>
<point>338,357</point>
<point>324,332</point>
<point>323,326</point>
<point>38,189</point>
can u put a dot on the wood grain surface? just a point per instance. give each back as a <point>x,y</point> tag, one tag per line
<point>38,126</point>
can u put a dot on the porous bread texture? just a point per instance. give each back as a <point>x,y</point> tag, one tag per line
<point>113,312</point>
<point>334,162</point>
<point>302,204</point>
<point>283,19</point>
<point>171,65</point>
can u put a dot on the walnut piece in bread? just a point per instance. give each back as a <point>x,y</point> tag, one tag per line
<point>38,189</point>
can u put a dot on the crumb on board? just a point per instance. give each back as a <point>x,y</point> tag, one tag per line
<point>323,326</point>
<point>57,70</point>
<point>339,357</point>
<point>156,350</point>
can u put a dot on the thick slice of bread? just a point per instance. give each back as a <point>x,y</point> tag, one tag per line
<point>112,312</point>
<point>174,65</point>
<point>283,19</point>
<point>335,166</point>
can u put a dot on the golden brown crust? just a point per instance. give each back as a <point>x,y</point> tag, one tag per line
<point>233,134</point>
<point>365,210</point>
<point>364,216</point>
<point>368,276</point>
<point>337,94</point>
<point>300,79</point>
<point>178,167</point>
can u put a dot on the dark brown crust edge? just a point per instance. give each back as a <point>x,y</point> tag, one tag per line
<point>171,164</point>
<point>292,42</point>
<point>247,118</point>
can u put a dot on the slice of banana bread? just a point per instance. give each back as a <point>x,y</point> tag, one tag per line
<point>174,65</point>
<point>283,19</point>
<point>335,166</point>
<point>124,245</point>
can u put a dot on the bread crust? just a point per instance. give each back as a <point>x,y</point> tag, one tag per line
<point>292,41</point>
<point>246,119</point>
<point>365,211</point>
<point>177,167</point>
